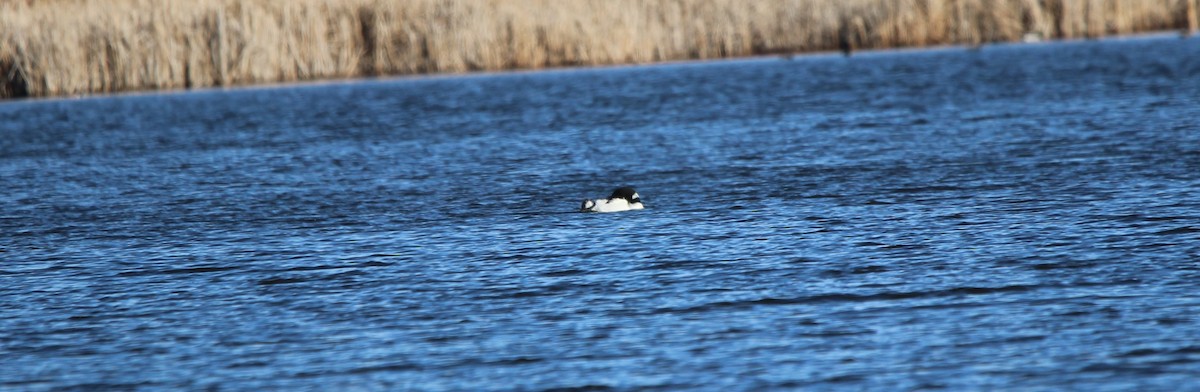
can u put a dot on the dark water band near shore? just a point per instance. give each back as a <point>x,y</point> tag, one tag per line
<point>60,47</point>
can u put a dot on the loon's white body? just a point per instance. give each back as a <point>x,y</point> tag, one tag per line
<point>610,205</point>
<point>622,199</point>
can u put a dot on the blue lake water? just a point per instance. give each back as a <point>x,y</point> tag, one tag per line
<point>1013,217</point>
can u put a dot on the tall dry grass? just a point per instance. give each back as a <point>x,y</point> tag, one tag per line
<point>57,47</point>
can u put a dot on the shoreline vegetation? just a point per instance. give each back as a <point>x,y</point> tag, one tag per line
<point>70,47</point>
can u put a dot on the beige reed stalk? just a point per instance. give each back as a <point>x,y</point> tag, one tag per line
<point>65,47</point>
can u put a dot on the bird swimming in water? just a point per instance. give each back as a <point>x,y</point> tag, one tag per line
<point>622,199</point>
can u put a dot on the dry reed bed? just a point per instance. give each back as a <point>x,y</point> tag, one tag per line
<point>60,47</point>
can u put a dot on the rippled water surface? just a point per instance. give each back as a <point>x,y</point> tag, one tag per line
<point>1011,217</point>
